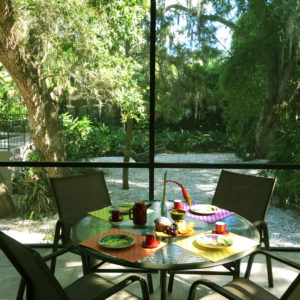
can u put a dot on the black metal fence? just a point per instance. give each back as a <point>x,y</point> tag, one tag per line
<point>14,131</point>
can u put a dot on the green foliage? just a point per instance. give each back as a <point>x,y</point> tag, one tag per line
<point>243,84</point>
<point>79,142</point>
<point>141,136</point>
<point>87,49</point>
<point>86,139</point>
<point>195,141</point>
<point>287,188</point>
<point>286,149</point>
<point>32,190</point>
<point>34,200</point>
<point>10,100</point>
<point>259,76</point>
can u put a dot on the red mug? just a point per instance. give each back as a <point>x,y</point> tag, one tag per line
<point>115,214</point>
<point>220,227</point>
<point>150,238</point>
<point>177,204</point>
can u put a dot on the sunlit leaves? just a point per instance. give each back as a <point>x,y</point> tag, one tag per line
<point>86,48</point>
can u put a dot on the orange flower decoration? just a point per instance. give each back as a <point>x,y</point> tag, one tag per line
<point>185,193</point>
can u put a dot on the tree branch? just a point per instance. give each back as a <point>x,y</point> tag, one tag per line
<point>194,13</point>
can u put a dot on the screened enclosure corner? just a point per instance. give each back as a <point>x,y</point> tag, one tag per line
<point>140,89</point>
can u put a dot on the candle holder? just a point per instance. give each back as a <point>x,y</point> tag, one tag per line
<point>163,206</point>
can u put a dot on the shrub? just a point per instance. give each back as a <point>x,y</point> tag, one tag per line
<point>195,141</point>
<point>286,149</point>
<point>79,137</point>
<point>33,196</point>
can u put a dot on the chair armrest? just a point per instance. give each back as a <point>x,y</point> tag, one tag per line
<point>260,223</point>
<point>273,256</point>
<point>57,235</point>
<point>62,232</point>
<point>58,253</point>
<point>121,285</point>
<point>217,288</point>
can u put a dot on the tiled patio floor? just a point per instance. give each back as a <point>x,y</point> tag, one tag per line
<point>69,268</point>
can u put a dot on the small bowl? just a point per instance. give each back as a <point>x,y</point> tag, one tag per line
<point>177,214</point>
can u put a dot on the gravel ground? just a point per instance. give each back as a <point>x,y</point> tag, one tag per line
<point>284,225</point>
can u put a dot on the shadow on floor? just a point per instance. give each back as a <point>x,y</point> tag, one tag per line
<point>69,268</point>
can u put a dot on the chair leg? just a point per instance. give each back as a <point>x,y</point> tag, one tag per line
<point>237,268</point>
<point>234,268</point>
<point>53,260</point>
<point>171,282</point>
<point>86,263</point>
<point>21,289</point>
<point>264,238</point>
<point>150,283</point>
<point>269,270</point>
<point>57,237</point>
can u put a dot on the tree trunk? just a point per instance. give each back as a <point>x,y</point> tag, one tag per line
<point>270,116</point>
<point>280,92</point>
<point>45,127</point>
<point>128,149</point>
<point>266,129</point>
<point>7,208</point>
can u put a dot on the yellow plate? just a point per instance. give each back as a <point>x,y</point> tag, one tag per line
<point>215,241</point>
<point>204,209</point>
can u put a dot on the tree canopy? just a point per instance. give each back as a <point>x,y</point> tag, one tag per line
<point>98,50</point>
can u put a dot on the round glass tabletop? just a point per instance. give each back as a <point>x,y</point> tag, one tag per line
<point>171,256</point>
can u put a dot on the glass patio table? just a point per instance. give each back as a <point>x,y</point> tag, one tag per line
<point>170,257</point>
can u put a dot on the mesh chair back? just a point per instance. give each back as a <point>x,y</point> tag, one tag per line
<point>77,195</point>
<point>40,283</point>
<point>247,195</point>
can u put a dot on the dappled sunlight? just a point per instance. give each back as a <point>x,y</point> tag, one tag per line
<point>282,275</point>
<point>73,264</point>
<point>139,184</point>
<point>200,184</point>
<point>29,231</point>
<point>205,187</point>
<point>25,237</point>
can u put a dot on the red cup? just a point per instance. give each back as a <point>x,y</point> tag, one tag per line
<point>220,227</point>
<point>177,204</point>
<point>150,238</point>
<point>115,214</point>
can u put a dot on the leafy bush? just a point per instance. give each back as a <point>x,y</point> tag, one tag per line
<point>195,141</point>
<point>79,137</point>
<point>286,149</point>
<point>33,196</point>
<point>287,190</point>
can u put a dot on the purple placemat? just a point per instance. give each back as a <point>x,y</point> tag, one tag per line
<point>220,214</point>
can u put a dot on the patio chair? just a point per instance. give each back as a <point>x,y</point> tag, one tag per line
<point>75,196</point>
<point>245,289</point>
<point>248,196</point>
<point>41,284</point>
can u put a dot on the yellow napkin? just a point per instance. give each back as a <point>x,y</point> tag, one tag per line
<point>104,214</point>
<point>239,244</point>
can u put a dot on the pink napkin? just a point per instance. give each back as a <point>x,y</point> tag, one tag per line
<point>220,214</point>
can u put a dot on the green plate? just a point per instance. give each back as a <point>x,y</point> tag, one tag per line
<point>123,207</point>
<point>116,241</point>
<point>216,241</point>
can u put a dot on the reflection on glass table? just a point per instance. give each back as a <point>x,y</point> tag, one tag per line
<point>177,254</point>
